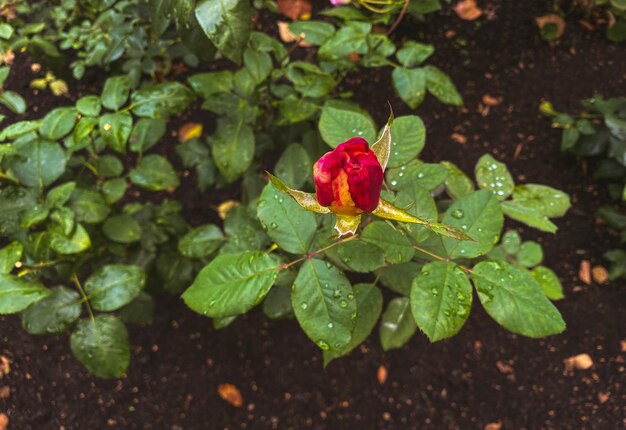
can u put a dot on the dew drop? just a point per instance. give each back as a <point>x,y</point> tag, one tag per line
<point>457,213</point>
<point>304,305</point>
<point>330,325</point>
<point>323,345</point>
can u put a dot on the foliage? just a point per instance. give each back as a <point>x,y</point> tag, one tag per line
<point>90,225</point>
<point>600,132</point>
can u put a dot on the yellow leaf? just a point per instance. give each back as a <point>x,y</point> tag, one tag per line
<point>189,131</point>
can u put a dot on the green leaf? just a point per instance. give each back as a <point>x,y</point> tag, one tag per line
<point>511,242</point>
<point>494,176</point>
<point>569,138</point>
<point>440,86</point>
<point>146,133</point>
<point>140,311</point>
<point>426,175</point>
<point>323,301</point>
<point>361,256</point>
<point>397,247</point>
<point>154,173</point>
<point>286,222</point>
<point>122,229</point>
<point>209,83</point>
<point>294,166</point>
<point>115,129</point>
<point>34,216</point>
<point>410,84</point>
<point>201,241</point>
<point>14,201</point>
<point>53,314</point>
<point>512,297</point>
<point>88,105</point>
<point>399,277</point>
<point>397,325</point>
<point>480,217</point>
<point>58,123</point>
<point>114,189</point>
<point>114,285</point>
<point>108,166</point>
<point>419,202</point>
<point>13,101</point>
<point>546,200</point>
<point>413,53</point>
<point>549,282</point>
<point>441,299</point>
<point>17,129</point>
<point>233,148</point>
<point>369,305</point>
<point>313,32</point>
<point>528,216</point>
<point>89,206</point>
<point>101,345</point>
<point>60,194</point>
<point>277,303</point>
<point>338,125</point>
<point>40,164</point>
<point>408,136</point>
<point>309,80</point>
<point>175,271</point>
<point>227,24</point>
<point>9,255</point>
<point>115,92</point>
<point>258,64</point>
<point>352,37</point>
<point>16,294</point>
<point>530,254</point>
<point>162,100</point>
<point>77,242</point>
<point>457,183</point>
<point>231,284</point>
<point>6,31</point>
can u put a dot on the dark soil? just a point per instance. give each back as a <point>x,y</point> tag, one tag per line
<point>484,375</point>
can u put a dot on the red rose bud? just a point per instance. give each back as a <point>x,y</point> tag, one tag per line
<point>349,178</point>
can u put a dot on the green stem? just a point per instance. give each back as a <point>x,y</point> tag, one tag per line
<point>84,296</point>
<point>314,253</point>
<point>444,259</point>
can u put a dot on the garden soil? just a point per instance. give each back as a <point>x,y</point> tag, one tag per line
<point>484,377</point>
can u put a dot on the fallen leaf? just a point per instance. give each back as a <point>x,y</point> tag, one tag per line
<point>468,10</point>
<point>225,207</point>
<point>288,36</point>
<point>504,367</point>
<point>4,422</point>
<point>584,273</point>
<point>622,344</point>
<point>458,138</point>
<point>231,394</point>
<point>580,361</point>
<point>189,131</point>
<point>494,426</point>
<point>603,397</point>
<point>491,101</point>
<point>7,57</point>
<point>59,87</point>
<point>600,274</point>
<point>5,392</point>
<point>381,374</point>
<point>552,18</point>
<point>294,9</point>
<point>5,366</point>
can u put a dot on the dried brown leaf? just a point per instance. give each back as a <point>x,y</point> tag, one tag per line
<point>580,361</point>
<point>231,394</point>
<point>552,18</point>
<point>225,207</point>
<point>381,374</point>
<point>295,9</point>
<point>494,426</point>
<point>288,36</point>
<point>599,274</point>
<point>4,422</point>
<point>5,392</point>
<point>468,10</point>
<point>458,138</point>
<point>491,101</point>
<point>189,131</point>
<point>5,366</point>
<point>584,272</point>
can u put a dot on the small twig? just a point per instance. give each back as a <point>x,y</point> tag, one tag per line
<point>399,19</point>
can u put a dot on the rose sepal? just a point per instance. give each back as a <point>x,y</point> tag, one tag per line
<point>388,211</point>
<point>382,147</point>
<point>307,200</point>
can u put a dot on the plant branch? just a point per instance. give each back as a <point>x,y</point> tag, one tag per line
<point>314,253</point>
<point>84,296</point>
